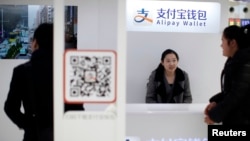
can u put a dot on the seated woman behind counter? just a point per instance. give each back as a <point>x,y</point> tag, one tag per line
<point>168,83</point>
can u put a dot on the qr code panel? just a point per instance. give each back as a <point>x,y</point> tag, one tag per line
<point>91,78</point>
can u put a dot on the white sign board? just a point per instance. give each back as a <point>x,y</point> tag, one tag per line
<point>173,16</point>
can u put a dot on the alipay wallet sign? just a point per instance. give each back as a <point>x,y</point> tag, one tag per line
<point>173,16</point>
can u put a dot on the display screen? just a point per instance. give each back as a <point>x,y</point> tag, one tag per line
<point>18,23</point>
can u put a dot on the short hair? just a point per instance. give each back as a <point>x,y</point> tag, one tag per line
<point>44,36</point>
<point>234,32</point>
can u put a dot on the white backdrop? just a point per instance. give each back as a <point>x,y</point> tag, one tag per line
<point>200,54</point>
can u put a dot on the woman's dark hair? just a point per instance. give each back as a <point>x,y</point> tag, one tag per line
<point>160,68</point>
<point>169,51</point>
<point>44,36</point>
<point>240,34</point>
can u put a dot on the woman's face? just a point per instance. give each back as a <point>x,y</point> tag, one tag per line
<point>170,63</point>
<point>229,47</point>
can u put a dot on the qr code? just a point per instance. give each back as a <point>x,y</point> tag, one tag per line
<point>90,76</point>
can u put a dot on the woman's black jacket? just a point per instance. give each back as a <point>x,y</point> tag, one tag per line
<point>233,101</point>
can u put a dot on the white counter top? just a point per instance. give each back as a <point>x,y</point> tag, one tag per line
<point>165,122</point>
<point>165,108</point>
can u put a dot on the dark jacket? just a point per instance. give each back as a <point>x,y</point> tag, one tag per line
<point>158,91</point>
<point>233,101</point>
<point>31,87</point>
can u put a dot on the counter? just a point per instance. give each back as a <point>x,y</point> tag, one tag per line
<point>165,122</point>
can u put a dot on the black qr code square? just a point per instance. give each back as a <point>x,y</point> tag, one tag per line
<point>74,92</point>
<point>90,76</point>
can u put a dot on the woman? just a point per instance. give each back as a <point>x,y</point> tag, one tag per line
<point>231,105</point>
<point>168,83</point>
<point>31,87</point>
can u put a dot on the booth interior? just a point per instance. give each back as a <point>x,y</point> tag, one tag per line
<point>93,25</point>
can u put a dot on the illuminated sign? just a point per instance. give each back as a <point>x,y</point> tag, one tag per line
<point>234,21</point>
<point>238,21</point>
<point>245,22</point>
<point>173,16</point>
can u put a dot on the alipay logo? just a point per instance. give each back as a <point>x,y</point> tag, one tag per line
<point>142,17</point>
